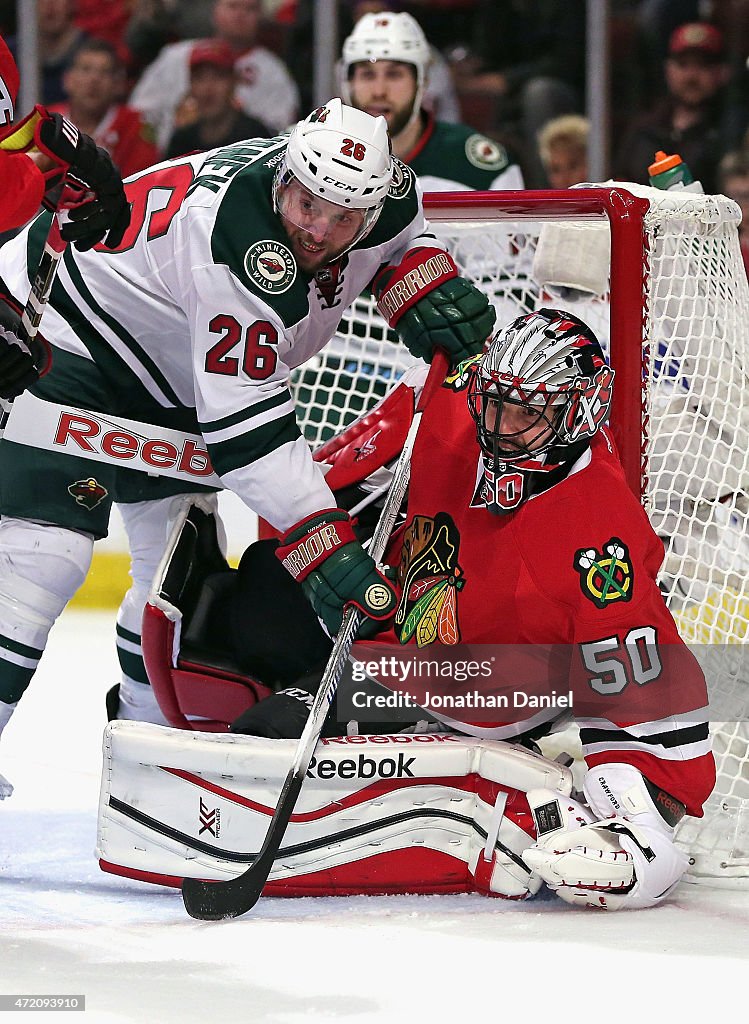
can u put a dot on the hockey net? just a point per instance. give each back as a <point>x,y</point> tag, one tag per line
<point>660,278</point>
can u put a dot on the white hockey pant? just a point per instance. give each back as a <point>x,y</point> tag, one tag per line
<point>41,568</point>
<point>148,525</point>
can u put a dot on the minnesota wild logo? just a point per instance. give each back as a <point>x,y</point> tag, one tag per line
<point>430,578</point>
<point>606,577</point>
<point>459,378</point>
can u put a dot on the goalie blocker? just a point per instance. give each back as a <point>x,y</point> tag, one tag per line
<point>429,813</point>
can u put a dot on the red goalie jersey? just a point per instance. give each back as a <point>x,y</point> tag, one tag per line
<point>563,589</point>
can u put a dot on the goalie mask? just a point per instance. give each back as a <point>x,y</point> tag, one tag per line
<point>335,174</point>
<point>388,36</point>
<point>537,396</point>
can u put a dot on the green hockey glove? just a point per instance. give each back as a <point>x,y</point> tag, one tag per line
<point>430,306</point>
<point>322,553</point>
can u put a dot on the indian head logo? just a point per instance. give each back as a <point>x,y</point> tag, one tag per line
<point>430,578</point>
<point>89,492</point>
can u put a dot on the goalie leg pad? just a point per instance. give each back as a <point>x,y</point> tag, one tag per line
<point>405,813</point>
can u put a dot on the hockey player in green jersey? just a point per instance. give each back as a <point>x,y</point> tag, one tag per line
<point>384,68</point>
<point>237,267</point>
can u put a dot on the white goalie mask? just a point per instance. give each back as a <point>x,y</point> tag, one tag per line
<point>341,157</point>
<point>387,36</point>
<point>537,396</point>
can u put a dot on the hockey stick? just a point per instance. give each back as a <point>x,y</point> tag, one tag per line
<point>72,195</point>
<point>215,901</point>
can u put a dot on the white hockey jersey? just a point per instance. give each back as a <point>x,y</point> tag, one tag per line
<point>203,307</point>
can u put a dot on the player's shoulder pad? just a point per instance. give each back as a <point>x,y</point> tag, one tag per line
<point>247,235</point>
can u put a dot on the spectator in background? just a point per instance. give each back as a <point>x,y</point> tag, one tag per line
<point>563,148</point>
<point>92,85</point>
<point>694,118</point>
<point>218,121</point>
<point>104,19</point>
<point>59,38</point>
<point>530,56</point>
<point>265,88</point>
<point>154,23</point>
<point>386,67</point>
<point>733,181</point>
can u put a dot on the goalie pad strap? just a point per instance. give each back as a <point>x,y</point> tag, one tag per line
<point>420,271</point>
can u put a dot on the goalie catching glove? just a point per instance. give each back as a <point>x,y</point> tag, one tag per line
<point>430,306</point>
<point>625,862</point>
<point>322,553</point>
<point>108,213</point>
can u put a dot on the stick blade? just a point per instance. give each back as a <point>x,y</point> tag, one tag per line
<point>219,901</point>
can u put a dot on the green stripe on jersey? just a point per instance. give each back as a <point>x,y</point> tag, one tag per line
<point>246,414</point>
<point>255,444</point>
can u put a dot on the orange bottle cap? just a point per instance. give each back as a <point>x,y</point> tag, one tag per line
<point>663,162</point>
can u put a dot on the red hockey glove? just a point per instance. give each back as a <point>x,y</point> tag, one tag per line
<point>431,306</point>
<point>322,553</point>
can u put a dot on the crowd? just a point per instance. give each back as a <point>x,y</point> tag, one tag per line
<point>155,78</point>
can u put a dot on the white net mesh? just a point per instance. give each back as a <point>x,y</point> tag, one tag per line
<point>693,334</point>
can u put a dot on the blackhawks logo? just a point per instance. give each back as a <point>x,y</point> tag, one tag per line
<point>459,378</point>
<point>270,266</point>
<point>606,577</point>
<point>430,578</point>
<point>88,493</point>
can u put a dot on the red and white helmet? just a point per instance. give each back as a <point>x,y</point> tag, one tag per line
<point>342,155</point>
<point>550,365</point>
<point>387,36</point>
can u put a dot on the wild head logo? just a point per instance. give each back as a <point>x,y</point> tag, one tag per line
<point>606,577</point>
<point>88,492</point>
<point>430,578</point>
<point>459,378</point>
<point>320,115</point>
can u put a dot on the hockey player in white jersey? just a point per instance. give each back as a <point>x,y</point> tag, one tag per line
<point>385,70</point>
<point>237,267</point>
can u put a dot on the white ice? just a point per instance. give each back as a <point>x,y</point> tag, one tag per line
<point>68,928</point>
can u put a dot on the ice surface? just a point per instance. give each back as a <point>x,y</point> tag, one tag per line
<point>66,927</point>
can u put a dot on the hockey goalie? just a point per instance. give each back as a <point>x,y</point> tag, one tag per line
<point>520,551</point>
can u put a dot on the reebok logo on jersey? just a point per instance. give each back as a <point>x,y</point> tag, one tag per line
<point>362,768</point>
<point>270,266</point>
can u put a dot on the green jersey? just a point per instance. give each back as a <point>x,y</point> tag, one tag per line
<point>454,157</point>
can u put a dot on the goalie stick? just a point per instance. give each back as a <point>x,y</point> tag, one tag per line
<point>72,195</point>
<point>215,901</point>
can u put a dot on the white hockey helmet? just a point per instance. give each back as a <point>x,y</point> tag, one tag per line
<point>387,36</point>
<point>342,155</point>
<point>550,364</point>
